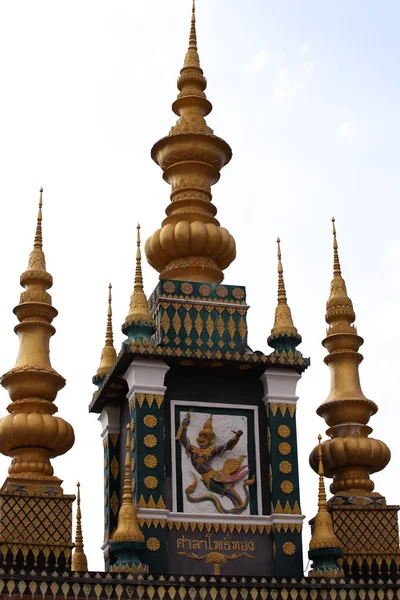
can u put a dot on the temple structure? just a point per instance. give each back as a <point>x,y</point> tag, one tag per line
<point>201,483</point>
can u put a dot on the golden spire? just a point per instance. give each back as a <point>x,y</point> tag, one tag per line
<point>31,435</point>
<point>138,310</point>
<point>323,534</point>
<point>283,325</point>
<point>191,245</point>
<point>79,560</point>
<point>108,354</point>
<point>128,529</point>
<point>350,456</point>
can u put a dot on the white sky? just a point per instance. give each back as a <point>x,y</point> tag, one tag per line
<point>307,94</point>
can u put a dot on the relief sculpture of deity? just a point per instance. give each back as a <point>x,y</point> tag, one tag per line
<point>220,482</point>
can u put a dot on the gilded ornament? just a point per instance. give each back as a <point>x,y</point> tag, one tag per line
<point>169,287</point>
<point>133,444</point>
<point>150,461</point>
<point>215,364</point>
<point>114,467</point>
<point>187,288</point>
<point>150,421</point>
<point>287,487</point>
<point>150,440</point>
<point>285,467</point>
<point>108,354</point>
<point>153,544</point>
<point>114,503</point>
<point>283,431</point>
<point>238,293</point>
<point>151,482</point>
<point>289,548</point>
<point>283,325</point>
<point>186,363</point>
<point>133,465</point>
<point>284,448</point>
<point>138,323</point>
<point>105,462</point>
<point>132,424</point>
<point>204,290</point>
<point>128,529</point>
<point>222,291</point>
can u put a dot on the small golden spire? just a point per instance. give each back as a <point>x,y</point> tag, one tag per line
<point>108,354</point>
<point>283,325</point>
<point>138,309</point>
<point>192,36</point>
<point>336,262</point>
<point>323,534</point>
<point>128,529</point>
<point>79,560</point>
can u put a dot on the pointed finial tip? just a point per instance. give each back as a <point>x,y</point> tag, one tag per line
<point>41,190</point>
<point>278,240</point>
<point>319,437</point>
<point>333,225</point>
<point>78,484</point>
<point>110,286</point>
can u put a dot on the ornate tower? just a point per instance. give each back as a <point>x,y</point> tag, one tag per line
<point>350,456</point>
<point>35,523</point>
<point>213,448</point>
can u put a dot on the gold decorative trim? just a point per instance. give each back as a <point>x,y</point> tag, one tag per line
<point>149,399</point>
<point>283,408</point>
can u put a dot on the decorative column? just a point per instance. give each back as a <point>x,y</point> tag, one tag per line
<point>280,402</point>
<point>145,380</point>
<point>110,423</point>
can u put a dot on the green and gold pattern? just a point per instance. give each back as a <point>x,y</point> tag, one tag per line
<point>111,485</point>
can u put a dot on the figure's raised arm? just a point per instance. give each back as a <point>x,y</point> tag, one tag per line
<point>181,436</point>
<point>230,444</point>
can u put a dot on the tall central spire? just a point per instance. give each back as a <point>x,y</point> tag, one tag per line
<point>191,244</point>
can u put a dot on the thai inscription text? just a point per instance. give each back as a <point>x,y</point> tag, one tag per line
<point>226,544</point>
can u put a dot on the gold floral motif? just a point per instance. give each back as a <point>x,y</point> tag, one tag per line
<point>287,487</point>
<point>114,503</point>
<point>105,462</point>
<point>283,431</point>
<point>150,440</point>
<point>238,293</point>
<point>289,548</point>
<point>151,482</point>
<point>285,467</point>
<point>285,448</point>
<point>205,290</point>
<point>133,444</point>
<point>153,544</point>
<point>114,467</point>
<point>133,485</point>
<point>132,424</point>
<point>222,291</point>
<point>150,421</point>
<point>133,465</point>
<point>150,461</point>
<point>169,287</point>
<point>187,288</point>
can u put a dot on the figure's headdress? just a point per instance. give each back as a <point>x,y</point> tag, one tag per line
<point>208,429</point>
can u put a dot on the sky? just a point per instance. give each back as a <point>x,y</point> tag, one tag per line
<point>306,93</point>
